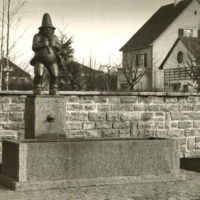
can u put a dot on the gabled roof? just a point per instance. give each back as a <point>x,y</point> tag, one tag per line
<point>145,36</point>
<point>84,69</point>
<point>16,71</point>
<point>191,43</point>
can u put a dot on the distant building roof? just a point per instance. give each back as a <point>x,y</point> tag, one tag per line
<point>17,71</point>
<point>191,43</point>
<point>84,69</point>
<point>155,25</point>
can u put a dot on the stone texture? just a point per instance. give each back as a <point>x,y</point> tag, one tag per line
<point>147,116</point>
<point>161,133</point>
<point>100,99</point>
<point>16,117</point>
<point>191,144</point>
<point>76,134</point>
<point>113,116</point>
<point>89,125</point>
<point>13,107</point>
<point>191,132</point>
<point>170,100</point>
<point>153,108</point>
<point>103,108</point>
<point>97,116</point>
<point>13,126</point>
<point>37,110</point>
<point>124,133</point>
<point>121,125</point>
<point>74,125</point>
<point>88,159</point>
<point>129,99</point>
<point>185,125</point>
<point>127,116</point>
<point>112,133</point>
<point>197,139</point>
<point>177,190</point>
<point>89,107</point>
<point>18,99</point>
<point>93,134</point>
<point>4,99</point>
<point>78,116</point>
<point>8,134</point>
<point>151,114</point>
<point>175,133</point>
<point>103,125</point>
<point>4,117</point>
<point>74,107</point>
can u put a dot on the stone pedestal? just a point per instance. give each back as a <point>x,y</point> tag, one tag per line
<point>34,164</point>
<point>45,117</point>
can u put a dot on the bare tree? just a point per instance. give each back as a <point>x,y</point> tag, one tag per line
<point>191,62</point>
<point>132,71</point>
<point>10,19</point>
<point>110,76</point>
<point>2,41</point>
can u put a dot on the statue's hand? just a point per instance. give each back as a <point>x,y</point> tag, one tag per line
<point>46,43</point>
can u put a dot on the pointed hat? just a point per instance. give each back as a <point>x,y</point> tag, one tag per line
<point>46,22</point>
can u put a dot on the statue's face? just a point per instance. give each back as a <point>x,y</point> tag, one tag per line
<point>47,31</point>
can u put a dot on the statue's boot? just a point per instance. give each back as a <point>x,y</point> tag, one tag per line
<point>54,91</point>
<point>37,91</point>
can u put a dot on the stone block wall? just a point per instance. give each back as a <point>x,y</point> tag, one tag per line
<point>136,115</point>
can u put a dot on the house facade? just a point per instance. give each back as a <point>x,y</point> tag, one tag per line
<point>152,43</point>
<point>178,64</point>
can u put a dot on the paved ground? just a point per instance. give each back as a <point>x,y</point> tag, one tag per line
<point>184,190</point>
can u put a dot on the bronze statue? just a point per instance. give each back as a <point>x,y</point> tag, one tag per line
<point>47,48</point>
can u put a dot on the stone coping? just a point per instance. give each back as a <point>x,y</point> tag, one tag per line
<point>99,93</point>
<point>82,140</point>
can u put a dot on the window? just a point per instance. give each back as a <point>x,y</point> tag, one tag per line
<point>185,88</point>
<point>185,32</point>
<point>141,60</point>
<point>175,87</point>
<point>180,57</point>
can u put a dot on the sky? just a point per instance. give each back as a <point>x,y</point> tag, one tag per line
<point>99,27</point>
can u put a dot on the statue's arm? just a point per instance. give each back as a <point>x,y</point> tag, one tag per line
<point>37,43</point>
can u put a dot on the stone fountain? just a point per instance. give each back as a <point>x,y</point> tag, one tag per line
<point>46,159</point>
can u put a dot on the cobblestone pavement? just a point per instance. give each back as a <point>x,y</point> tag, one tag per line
<point>183,190</point>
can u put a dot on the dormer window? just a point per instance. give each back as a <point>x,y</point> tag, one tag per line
<point>185,33</point>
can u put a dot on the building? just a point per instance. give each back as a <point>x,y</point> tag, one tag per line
<point>157,39</point>
<point>18,79</point>
<point>178,63</point>
<point>76,76</point>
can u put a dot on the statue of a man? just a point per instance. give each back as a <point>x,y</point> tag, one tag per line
<point>47,48</point>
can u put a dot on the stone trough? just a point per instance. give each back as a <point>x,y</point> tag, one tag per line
<point>36,164</point>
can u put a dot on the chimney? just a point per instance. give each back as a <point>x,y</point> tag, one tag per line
<point>176,2</point>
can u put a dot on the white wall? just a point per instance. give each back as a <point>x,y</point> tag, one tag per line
<point>173,63</point>
<point>161,46</point>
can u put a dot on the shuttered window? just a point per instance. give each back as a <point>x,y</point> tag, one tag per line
<point>137,60</point>
<point>141,60</point>
<point>198,33</point>
<point>180,32</point>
